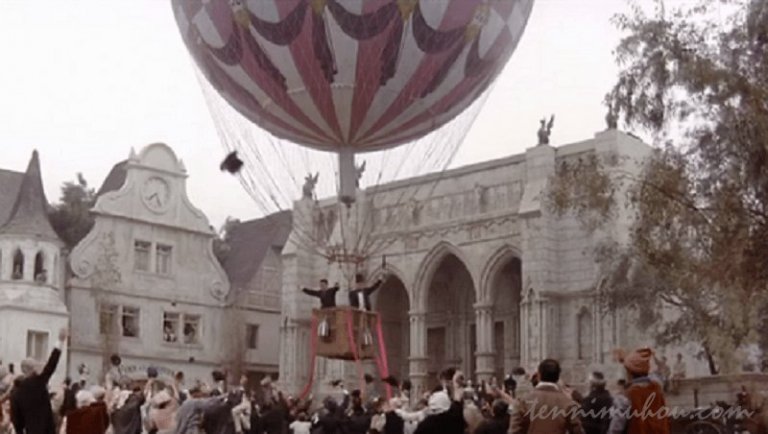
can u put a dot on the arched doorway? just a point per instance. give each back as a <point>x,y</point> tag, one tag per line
<point>450,319</point>
<point>391,300</point>
<point>506,293</point>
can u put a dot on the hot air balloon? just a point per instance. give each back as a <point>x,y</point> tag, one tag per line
<point>350,76</point>
<point>297,88</point>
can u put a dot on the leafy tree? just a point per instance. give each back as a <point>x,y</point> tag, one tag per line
<point>105,279</point>
<point>71,218</point>
<point>696,78</point>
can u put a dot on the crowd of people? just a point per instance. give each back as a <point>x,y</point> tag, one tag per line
<point>521,403</point>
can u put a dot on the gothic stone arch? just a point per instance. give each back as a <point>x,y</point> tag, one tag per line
<point>502,290</point>
<point>428,267</point>
<point>450,317</point>
<point>393,304</point>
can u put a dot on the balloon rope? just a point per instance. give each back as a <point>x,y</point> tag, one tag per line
<point>353,345</point>
<point>381,356</point>
<point>313,356</point>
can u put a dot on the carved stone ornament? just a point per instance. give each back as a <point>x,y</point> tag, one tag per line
<point>415,212</point>
<point>310,182</point>
<point>217,290</point>
<point>481,197</point>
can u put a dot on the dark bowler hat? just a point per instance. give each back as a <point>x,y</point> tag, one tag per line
<point>232,163</point>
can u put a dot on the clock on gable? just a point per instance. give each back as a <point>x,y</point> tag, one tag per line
<point>156,194</point>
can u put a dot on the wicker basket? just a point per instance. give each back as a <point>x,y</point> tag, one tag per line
<point>337,345</point>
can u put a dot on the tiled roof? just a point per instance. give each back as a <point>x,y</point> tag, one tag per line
<point>29,215</point>
<point>114,180</point>
<point>9,189</point>
<point>250,241</point>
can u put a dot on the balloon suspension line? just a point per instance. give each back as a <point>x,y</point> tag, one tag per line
<point>344,256</point>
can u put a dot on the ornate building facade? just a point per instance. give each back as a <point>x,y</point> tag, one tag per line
<point>147,285</point>
<point>481,275</point>
<point>32,309</point>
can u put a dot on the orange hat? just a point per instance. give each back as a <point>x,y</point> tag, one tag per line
<point>636,362</point>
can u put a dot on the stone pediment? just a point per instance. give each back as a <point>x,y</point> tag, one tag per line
<point>154,191</point>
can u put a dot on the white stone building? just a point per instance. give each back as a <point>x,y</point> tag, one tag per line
<point>32,309</point>
<point>147,285</point>
<point>484,277</point>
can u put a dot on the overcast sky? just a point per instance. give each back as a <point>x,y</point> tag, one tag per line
<point>84,81</point>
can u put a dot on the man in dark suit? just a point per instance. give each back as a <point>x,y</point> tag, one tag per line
<point>361,295</point>
<point>326,295</point>
<point>31,411</point>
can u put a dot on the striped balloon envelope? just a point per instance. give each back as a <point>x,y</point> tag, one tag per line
<point>351,75</point>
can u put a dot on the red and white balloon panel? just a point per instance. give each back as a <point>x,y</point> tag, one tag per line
<point>354,75</point>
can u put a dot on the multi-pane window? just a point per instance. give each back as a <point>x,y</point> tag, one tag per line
<point>37,345</point>
<point>181,327</point>
<point>163,259</point>
<point>115,319</point>
<point>191,329</point>
<point>252,336</point>
<point>141,251</point>
<point>107,319</point>
<point>130,322</point>
<point>171,323</point>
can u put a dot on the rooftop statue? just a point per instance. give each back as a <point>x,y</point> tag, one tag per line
<point>546,130</point>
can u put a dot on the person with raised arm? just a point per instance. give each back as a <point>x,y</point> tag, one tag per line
<point>360,297</point>
<point>445,409</point>
<point>326,295</point>
<point>31,411</point>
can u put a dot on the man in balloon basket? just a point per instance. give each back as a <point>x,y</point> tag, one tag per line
<point>360,298</point>
<point>327,298</point>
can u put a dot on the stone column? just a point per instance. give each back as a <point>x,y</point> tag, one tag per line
<point>539,260</point>
<point>597,332</point>
<point>486,354</point>
<point>6,262</point>
<point>542,307</point>
<point>418,354</point>
<point>525,340</point>
<point>29,264</point>
<point>298,271</point>
<point>535,329</point>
